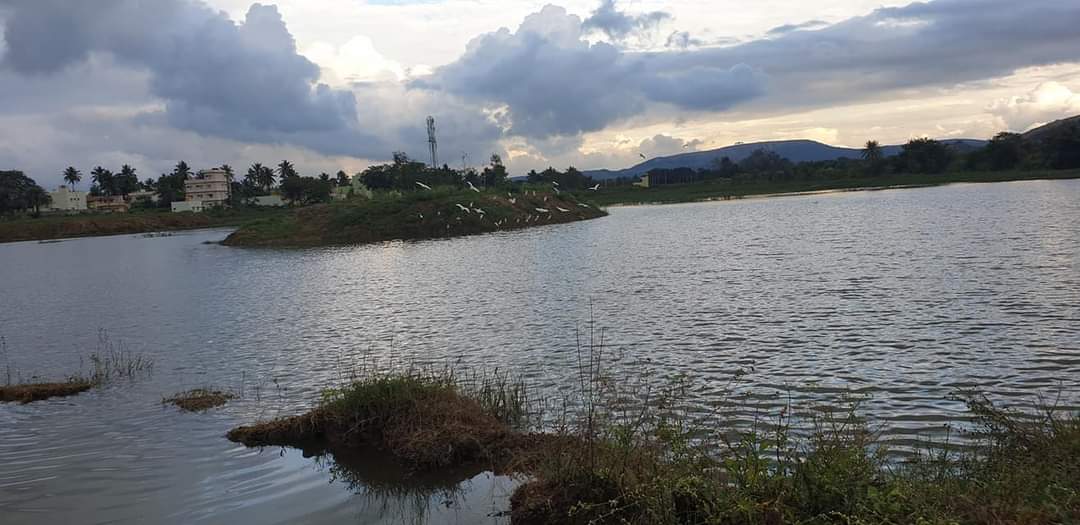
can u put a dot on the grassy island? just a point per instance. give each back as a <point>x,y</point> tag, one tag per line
<point>649,463</point>
<point>442,212</point>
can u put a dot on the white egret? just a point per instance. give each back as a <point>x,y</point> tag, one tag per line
<point>541,210</point>
<point>471,187</point>
<point>464,209</point>
<point>594,188</point>
<point>422,185</point>
<point>564,210</point>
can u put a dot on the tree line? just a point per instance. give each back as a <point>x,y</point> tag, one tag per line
<point>1058,149</point>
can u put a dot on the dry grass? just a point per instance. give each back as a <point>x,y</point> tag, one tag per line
<point>199,400</point>
<point>27,393</point>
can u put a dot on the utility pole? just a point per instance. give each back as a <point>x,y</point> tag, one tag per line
<point>433,144</point>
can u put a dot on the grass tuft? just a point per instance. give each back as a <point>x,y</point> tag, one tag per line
<point>199,400</point>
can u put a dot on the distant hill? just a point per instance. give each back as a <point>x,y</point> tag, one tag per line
<point>793,150</point>
<point>1042,132</point>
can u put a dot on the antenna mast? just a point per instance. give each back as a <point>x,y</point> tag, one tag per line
<point>432,143</point>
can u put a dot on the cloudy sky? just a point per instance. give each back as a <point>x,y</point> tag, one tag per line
<point>333,84</point>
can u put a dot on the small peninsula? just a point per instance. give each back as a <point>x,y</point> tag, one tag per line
<point>443,212</point>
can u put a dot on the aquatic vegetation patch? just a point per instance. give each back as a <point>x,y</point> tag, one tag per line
<point>111,362</point>
<point>30,392</point>
<point>427,419</point>
<point>199,399</point>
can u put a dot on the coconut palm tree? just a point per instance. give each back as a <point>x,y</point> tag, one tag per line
<point>286,170</point>
<point>182,171</point>
<point>103,180</point>
<point>127,181</point>
<point>261,175</point>
<point>72,177</point>
<point>872,151</point>
<point>873,156</point>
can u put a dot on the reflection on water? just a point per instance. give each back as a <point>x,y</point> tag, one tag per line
<point>901,296</point>
<point>395,494</point>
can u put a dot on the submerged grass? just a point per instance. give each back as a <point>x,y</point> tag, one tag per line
<point>30,392</point>
<point>199,399</point>
<point>112,361</point>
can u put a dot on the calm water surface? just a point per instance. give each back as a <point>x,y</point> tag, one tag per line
<point>903,297</point>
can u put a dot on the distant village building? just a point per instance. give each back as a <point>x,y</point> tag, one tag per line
<point>209,187</point>
<point>148,195</point>
<point>108,203</point>
<point>273,201</point>
<point>64,199</point>
<point>192,206</point>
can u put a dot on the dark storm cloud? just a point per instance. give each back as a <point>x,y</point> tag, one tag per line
<point>618,25</point>
<point>243,81</point>
<point>553,82</point>
<point>940,43</point>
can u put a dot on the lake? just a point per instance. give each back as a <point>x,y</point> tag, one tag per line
<point>900,298</point>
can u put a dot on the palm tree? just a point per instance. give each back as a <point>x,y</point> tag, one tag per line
<point>72,176</point>
<point>228,172</point>
<point>182,171</point>
<point>103,180</point>
<point>127,181</point>
<point>873,156</point>
<point>261,175</point>
<point>872,152</point>
<point>286,170</point>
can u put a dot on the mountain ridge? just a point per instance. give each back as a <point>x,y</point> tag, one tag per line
<point>798,150</point>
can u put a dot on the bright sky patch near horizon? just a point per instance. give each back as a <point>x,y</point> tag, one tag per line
<point>339,84</point>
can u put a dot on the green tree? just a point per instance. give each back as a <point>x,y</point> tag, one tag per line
<point>182,171</point>
<point>324,176</point>
<point>343,178</point>
<point>495,173</point>
<point>72,176</point>
<point>1005,151</point>
<point>19,192</point>
<point>103,182</point>
<point>924,155</point>
<point>126,181</point>
<point>874,157</point>
<point>285,170</point>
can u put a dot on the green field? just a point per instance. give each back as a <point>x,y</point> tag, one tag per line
<point>724,189</point>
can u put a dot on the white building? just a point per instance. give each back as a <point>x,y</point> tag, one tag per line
<point>210,187</point>
<point>192,206</point>
<point>65,199</point>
